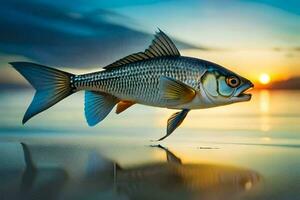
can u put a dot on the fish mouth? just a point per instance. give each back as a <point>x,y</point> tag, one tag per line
<point>242,92</point>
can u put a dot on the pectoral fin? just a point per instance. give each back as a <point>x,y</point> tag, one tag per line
<point>123,105</point>
<point>175,91</point>
<point>174,121</point>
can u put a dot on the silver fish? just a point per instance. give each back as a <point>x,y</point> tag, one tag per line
<point>158,77</point>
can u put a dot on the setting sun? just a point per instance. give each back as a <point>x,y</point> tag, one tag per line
<point>264,78</point>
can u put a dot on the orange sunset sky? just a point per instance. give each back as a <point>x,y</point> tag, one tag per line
<point>257,39</point>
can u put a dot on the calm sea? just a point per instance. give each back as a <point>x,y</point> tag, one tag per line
<point>247,150</point>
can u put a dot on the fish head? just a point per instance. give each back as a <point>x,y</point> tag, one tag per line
<point>222,86</point>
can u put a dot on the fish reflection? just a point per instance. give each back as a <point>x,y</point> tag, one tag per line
<point>162,180</point>
<point>176,180</point>
<point>33,183</point>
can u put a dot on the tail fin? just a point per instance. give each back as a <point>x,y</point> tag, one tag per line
<point>51,86</point>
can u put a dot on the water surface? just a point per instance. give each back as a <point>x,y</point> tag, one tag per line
<point>242,151</point>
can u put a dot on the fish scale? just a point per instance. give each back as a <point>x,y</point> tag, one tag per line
<point>139,82</point>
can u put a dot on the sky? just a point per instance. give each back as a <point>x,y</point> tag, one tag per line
<point>248,37</point>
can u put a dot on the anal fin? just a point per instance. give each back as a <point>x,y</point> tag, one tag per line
<point>123,105</point>
<point>97,106</point>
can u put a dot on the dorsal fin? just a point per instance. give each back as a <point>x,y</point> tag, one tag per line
<point>161,46</point>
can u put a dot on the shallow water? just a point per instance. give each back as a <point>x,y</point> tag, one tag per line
<point>242,151</point>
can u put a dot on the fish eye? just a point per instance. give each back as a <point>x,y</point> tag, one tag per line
<point>233,81</point>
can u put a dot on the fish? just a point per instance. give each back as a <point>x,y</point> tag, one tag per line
<point>159,76</point>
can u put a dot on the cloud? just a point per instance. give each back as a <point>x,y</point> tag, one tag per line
<point>64,37</point>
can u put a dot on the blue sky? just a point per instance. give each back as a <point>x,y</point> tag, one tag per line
<point>87,34</point>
